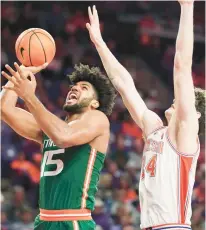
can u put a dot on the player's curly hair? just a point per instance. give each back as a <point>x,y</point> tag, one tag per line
<point>105,91</point>
<point>200,107</point>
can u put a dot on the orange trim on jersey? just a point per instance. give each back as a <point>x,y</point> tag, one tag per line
<point>172,224</point>
<point>181,153</point>
<point>178,189</point>
<point>161,225</point>
<point>65,215</point>
<point>88,177</point>
<point>185,166</point>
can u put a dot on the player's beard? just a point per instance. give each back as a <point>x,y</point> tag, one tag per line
<point>78,107</point>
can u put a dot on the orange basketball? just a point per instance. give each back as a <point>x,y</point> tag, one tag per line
<point>34,47</point>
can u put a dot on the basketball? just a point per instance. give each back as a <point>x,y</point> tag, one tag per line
<point>34,47</point>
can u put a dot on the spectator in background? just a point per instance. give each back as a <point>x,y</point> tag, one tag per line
<point>5,223</point>
<point>100,216</point>
<point>26,168</point>
<point>116,174</point>
<point>26,220</point>
<point>16,204</point>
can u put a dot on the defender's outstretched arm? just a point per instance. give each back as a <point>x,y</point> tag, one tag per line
<point>183,82</point>
<point>121,79</point>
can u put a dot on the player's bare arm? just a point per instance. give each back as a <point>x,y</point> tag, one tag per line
<point>184,127</point>
<point>121,79</point>
<point>90,126</point>
<point>21,121</point>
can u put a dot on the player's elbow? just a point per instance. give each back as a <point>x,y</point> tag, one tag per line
<point>3,108</point>
<point>4,113</point>
<point>182,61</point>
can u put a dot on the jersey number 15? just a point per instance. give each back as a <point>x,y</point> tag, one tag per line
<point>47,160</point>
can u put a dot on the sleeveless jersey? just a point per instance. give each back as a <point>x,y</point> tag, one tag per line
<point>166,183</point>
<point>69,176</point>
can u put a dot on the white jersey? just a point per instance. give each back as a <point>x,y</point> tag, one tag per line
<point>166,184</point>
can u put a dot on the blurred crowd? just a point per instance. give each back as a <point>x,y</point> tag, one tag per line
<point>117,201</point>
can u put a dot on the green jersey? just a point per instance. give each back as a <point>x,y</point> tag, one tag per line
<point>69,176</point>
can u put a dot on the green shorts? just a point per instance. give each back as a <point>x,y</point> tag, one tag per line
<point>64,225</point>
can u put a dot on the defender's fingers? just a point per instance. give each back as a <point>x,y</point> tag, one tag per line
<point>90,14</point>
<point>88,26</point>
<point>95,13</point>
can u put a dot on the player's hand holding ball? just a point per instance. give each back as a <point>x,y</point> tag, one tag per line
<point>23,81</point>
<point>35,48</point>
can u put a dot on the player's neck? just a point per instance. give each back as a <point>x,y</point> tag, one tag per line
<point>72,117</point>
<point>75,116</point>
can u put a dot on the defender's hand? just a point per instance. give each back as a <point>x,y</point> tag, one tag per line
<point>21,84</point>
<point>182,2</point>
<point>94,27</point>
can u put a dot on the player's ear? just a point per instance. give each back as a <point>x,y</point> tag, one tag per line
<point>95,104</point>
<point>198,115</point>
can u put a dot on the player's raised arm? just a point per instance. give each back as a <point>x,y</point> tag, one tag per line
<point>84,130</point>
<point>21,121</point>
<point>183,82</point>
<point>121,79</point>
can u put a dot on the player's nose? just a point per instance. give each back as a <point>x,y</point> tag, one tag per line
<point>76,87</point>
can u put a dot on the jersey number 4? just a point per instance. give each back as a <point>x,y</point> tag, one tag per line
<point>47,160</point>
<point>150,167</point>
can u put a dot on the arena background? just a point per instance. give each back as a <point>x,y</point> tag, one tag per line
<point>142,36</point>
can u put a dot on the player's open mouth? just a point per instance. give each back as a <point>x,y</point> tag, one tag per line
<point>72,98</point>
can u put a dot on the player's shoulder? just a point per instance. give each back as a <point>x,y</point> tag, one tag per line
<point>151,122</point>
<point>97,116</point>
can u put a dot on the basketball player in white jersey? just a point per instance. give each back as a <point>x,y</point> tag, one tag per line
<point>170,152</point>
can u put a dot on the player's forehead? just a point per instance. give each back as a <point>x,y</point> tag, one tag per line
<point>84,83</point>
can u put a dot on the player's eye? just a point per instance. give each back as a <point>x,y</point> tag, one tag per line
<point>84,88</point>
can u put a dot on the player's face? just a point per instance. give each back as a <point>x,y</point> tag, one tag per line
<point>80,96</point>
<point>169,112</point>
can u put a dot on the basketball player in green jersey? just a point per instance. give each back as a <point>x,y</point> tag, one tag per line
<point>73,150</point>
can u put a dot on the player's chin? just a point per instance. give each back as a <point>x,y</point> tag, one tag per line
<point>69,105</point>
<point>71,102</point>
